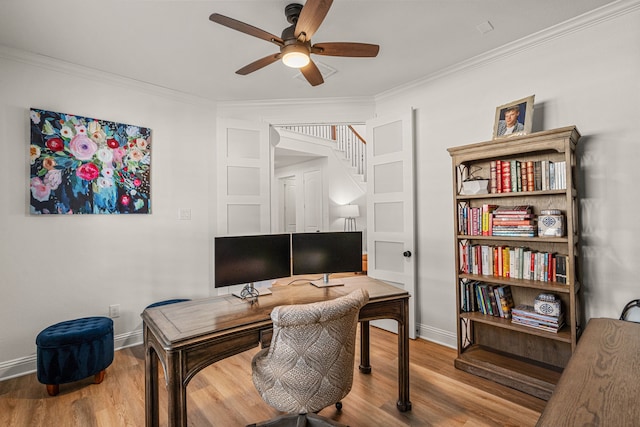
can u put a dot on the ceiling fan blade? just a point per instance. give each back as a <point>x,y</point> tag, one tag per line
<point>359,50</point>
<point>260,63</point>
<point>245,28</point>
<point>312,74</point>
<point>311,16</point>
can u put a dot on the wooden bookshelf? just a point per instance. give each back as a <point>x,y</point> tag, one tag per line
<point>493,347</point>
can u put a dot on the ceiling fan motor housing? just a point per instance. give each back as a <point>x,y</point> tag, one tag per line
<point>292,12</point>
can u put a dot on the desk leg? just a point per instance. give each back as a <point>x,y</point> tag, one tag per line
<point>365,359</point>
<point>404,404</point>
<point>150,384</point>
<point>176,392</point>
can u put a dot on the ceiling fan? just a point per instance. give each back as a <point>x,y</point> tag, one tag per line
<point>295,42</point>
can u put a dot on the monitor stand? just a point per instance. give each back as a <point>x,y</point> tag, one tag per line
<point>251,291</point>
<point>326,283</point>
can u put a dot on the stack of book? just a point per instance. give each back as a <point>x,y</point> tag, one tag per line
<point>513,221</point>
<point>526,315</point>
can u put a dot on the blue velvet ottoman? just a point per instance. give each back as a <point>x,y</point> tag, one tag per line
<point>72,350</point>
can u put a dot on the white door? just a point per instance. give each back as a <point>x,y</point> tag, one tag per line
<point>244,170</point>
<point>390,207</point>
<point>312,201</point>
<point>289,208</point>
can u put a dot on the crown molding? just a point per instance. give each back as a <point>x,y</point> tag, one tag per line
<point>579,23</point>
<point>80,71</point>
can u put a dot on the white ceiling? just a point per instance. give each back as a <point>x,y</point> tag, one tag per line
<point>172,44</point>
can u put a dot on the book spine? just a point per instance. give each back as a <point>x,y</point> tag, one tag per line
<point>537,171</point>
<point>493,177</point>
<point>506,177</point>
<point>530,181</point>
<point>499,176</point>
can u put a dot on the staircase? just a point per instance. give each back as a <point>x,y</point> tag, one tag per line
<point>347,141</point>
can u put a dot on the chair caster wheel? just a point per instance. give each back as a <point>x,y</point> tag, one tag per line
<point>339,406</point>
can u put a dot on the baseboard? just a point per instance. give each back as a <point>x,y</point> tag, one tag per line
<point>27,365</point>
<point>439,336</point>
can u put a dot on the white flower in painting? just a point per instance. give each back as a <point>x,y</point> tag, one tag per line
<point>94,126</point>
<point>108,172</point>
<point>81,129</point>
<point>133,131</point>
<point>34,152</point>
<point>53,178</point>
<point>105,155</point>
<point>35,117</point>
<point>104,182</point>
<point>141,143</point>
<point>66,132</point>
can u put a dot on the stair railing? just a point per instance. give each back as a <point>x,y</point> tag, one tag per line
<point>347,140</point>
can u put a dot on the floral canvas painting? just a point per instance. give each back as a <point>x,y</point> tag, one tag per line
<point>81,165</point>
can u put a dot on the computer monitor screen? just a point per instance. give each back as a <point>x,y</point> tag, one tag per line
<point>327,252</point>
<point>248,259</point>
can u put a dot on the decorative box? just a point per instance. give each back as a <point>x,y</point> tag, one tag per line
<point>475,186</point>
<point>550,223</point>
<point>547,304</point>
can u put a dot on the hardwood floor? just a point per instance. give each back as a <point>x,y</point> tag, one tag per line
<point>223,395</point>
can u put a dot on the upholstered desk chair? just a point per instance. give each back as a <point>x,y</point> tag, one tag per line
<point>309,364</point>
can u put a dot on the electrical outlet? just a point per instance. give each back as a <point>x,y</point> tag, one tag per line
<point>114,311</point>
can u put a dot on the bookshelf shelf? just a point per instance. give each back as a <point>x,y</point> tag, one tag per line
<point>526,358</point>
<point>534,284</point>
<point>514,194</point>
<point>515,239</point>
<point>562,335</point>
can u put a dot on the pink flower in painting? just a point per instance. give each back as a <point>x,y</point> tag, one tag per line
<point>125,200</point>
<point>137,182</point>
<point>88,171</point>
<point>55,144</point>
<point>39,190</point>
<point>118,154</point>
<point>53,178</point>
<point>82,147</point>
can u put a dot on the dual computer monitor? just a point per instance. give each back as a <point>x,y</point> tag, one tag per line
<point>249,259</point>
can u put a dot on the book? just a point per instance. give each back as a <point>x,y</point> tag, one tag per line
<point>537,176</point>
<point>530,174</point>
<point>513,210</point>
<point>506,300</point>
<point>506,177</point>
<point>493,184</point>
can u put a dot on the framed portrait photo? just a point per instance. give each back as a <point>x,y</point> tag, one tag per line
<point>514,118</point>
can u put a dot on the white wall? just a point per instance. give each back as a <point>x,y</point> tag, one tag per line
<point>54,268</point>
<point>586,76</point>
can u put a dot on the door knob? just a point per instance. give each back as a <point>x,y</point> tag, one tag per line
<point>407,254</point>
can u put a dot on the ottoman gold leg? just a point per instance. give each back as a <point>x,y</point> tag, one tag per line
<point>53,389</point>
<point>97,379</point>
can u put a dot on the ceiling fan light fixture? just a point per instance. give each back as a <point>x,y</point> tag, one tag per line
<point>295,56</point>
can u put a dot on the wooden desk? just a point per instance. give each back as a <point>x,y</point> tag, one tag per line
<point>601,384</point>
<point>189,336</point>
